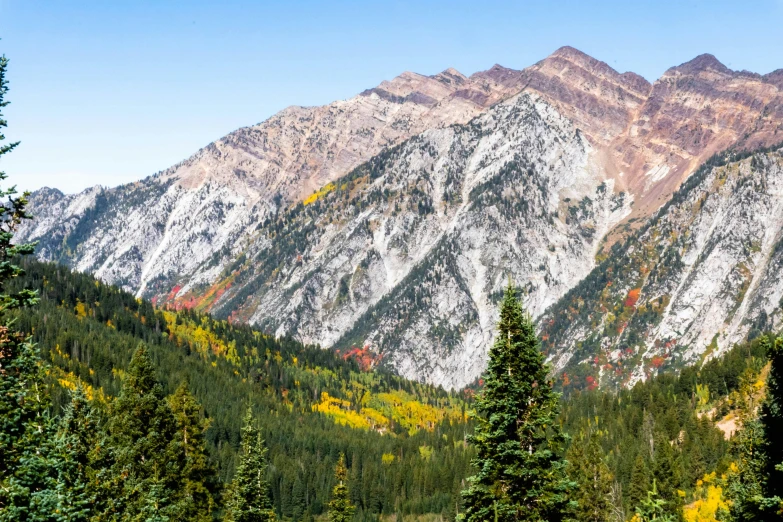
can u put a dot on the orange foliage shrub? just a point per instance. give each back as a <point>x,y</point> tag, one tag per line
<point>363,357</point>
<point>633,297</point>
<point>658,361</point>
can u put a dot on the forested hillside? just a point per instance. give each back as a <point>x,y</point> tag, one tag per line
<point>311,404</point>
<point>404,442</point>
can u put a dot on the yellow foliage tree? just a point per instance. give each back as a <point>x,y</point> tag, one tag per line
<point>709,501</point>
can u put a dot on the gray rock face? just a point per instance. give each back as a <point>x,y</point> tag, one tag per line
<point>410,251</point>
<point>407,253</point>
<point>185,224</point>
<point>701,276</point>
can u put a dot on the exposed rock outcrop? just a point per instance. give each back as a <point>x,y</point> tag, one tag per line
<point>699,277</point>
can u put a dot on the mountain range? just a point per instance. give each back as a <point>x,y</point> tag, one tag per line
<point>395,218</point>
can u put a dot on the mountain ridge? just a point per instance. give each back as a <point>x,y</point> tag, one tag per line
<point>183,235</point>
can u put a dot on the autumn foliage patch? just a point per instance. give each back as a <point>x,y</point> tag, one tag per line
<point>633,297</point>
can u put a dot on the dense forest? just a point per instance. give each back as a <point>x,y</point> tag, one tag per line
<point>113,409</point>
<point>403,440</point>
<point>404,443</point>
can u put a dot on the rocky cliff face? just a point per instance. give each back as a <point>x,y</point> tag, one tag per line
<point>410,251</point>
<point>242,228</point>
<point>602,102</point>
<point>654,136</point>
<point>699,277</point>
<point>188,222</point>
<point>693,111</point>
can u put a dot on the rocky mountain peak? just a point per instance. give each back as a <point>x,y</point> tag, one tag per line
<point>775,78</point>
<point>411,87</point>
<point>499,74</point>
<point>601,102</point>
<point>682,123</point>
<point>569,56</point>
<point>573,55</point>
<point>451,75</point>
<point>702,63</point>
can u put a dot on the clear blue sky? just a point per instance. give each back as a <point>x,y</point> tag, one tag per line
<point>105,92</point>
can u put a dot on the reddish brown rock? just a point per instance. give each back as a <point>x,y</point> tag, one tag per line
<point>648,137</point>
<point>652,137</point>
<point>598,99</point>
<point>694,110</point>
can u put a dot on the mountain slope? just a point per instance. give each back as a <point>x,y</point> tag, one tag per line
<point>403,441</point>
<point>407,251</point>
<point>190,221</point>
<point>310,404</point>
<point>655,135</point>
<point>694,111</point>
<point>174,222</point>
<point>700,276</point>
<point>227,230</point>
<point>602,102</point>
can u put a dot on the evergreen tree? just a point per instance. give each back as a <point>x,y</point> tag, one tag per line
<point>520,470</point>
<point>156,504</point>
<point>771,419</point>
<point>198,485</point>
<point>696,465</point>
<point>666,475</point>
<point>640,480</point>
<point>27,477</point>
<point>586,466</point>
<point>340,507</point>
<point>298,501</point>
<point>653,508</point>
<point>142,470</point>
<point>24,424</point>
<point>70,457</point>
<point>748,472</point>
<point>355,481</point>
<point>250,500</point>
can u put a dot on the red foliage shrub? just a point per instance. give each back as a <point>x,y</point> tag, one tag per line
<point>363,357</point>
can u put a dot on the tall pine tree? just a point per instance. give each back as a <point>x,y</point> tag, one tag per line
<point>250,500</point>
<point>640,480</point>
<point>195,497</point>
<point>666,474</point>
<point>520,469</point>
<point>25,473</point>
<point>653,508</point>
<point>746,473</point>
<point>587,467</point>
<point>74,494</point>
<point>142,468</point>
<point>340,507</point>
